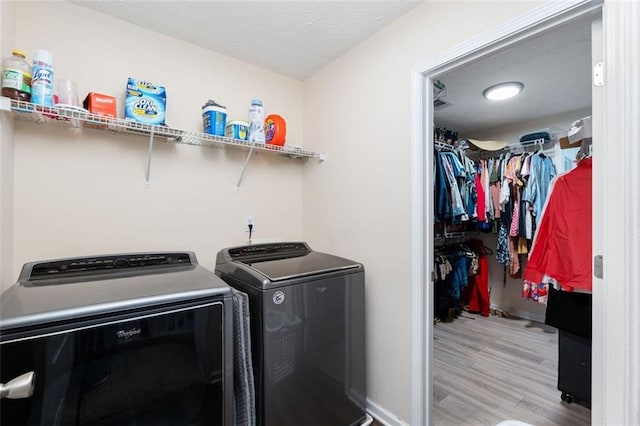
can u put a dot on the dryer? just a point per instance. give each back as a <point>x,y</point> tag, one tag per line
<point>136,338</point>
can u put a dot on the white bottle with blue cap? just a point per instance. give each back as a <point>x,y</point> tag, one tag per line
<point>42,78</point>
<point>256,122</point>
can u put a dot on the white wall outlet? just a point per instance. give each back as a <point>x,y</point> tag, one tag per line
<point>249,220</point>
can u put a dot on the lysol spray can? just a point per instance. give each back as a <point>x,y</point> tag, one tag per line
<point>42,78</point>
<point>256,122</point>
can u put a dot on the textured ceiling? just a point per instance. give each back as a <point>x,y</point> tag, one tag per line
<point>555,68</point>
<point>297,38</point>
<point>294,38</point>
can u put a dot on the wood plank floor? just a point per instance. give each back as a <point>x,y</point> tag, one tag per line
<point>490,369</point>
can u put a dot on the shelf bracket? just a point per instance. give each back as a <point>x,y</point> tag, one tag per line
<point>244,167</point>
<point>147,177</point>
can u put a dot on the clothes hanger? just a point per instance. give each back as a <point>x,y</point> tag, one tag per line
<point>479,246</point>
<point>540,150</point>
<point>486,250</point>
<point>584,150</point>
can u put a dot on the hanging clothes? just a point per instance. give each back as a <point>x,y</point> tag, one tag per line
<point>468,187</point>
<point>489,213</point>
<point>476,294</point>
<point>442,194</point>
<point>455,187</point>
<point>502,252</point>
<point>541,172</point>
<point>452,169</point>
<point>481,200</point>
<point>448,288</point>
<point>537,292</point>
<point>562,244</point>
<point>494,182</point>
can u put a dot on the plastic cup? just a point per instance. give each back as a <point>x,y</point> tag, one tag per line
<point>68,92</point>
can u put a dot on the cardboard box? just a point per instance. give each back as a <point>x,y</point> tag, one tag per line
<point>97,103</point>
<point>146,102</point>
<point>565,144</point>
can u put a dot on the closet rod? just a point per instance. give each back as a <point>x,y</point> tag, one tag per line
<point>443,146</point>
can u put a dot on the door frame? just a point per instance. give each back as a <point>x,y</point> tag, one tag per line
<point>616,318</point>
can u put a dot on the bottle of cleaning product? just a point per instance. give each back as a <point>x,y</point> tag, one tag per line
<point>16,77</point>
<point>42,80</point>
<point>256,122</point>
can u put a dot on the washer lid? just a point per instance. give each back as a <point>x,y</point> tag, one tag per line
<point>69,289</point>
<point>312,263</point>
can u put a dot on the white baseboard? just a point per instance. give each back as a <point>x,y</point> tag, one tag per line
<point>521,314</point>
<point>383,415</point>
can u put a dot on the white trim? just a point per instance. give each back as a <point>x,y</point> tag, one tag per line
<point>618,338</point>
<point>548,15</point>
<point>382,415</point>
<point>421,398</point>
<point>599,178</point>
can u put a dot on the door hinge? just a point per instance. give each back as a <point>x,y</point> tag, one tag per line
<point>598,265</point>
<point>598,74</point>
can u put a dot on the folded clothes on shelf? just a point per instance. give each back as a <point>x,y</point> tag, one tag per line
<point>529,137</point>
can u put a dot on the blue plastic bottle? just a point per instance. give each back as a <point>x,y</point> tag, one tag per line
<point>42,78</point>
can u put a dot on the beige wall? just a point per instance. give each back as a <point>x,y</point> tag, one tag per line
<point>358,203</point>
<point>82,192</point>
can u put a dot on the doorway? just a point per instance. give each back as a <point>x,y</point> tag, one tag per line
<point>494,358</point>
<point>544,20</point>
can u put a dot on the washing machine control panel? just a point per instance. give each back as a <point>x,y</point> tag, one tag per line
<point>265,251</point>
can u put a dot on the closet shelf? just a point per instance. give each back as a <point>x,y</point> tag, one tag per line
<point>78,118</point>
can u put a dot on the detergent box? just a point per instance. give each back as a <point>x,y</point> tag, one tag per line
<point>97,103</point>
<point>145,102</point>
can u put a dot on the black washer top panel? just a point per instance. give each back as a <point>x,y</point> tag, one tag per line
<point>267,251</point>
<point>276,262</point>
<point>312,263</point>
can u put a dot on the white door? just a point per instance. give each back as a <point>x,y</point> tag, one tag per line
<point>616,338</point>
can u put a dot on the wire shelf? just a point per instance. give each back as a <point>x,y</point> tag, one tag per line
<point>71,117</point>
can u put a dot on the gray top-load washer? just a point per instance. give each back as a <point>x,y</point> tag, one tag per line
<point>307,332</point>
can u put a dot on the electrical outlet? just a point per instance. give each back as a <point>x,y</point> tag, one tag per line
<point>249,220</point>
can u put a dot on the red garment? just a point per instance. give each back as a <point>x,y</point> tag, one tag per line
<point>479,289</point>
<point>482,216</point>
<point>562,244</point>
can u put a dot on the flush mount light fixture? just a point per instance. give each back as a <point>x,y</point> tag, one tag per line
<point>502,91</point>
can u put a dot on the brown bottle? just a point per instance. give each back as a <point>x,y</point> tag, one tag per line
<point>16,77</point>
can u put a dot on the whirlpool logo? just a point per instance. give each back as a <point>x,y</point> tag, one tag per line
<point>278,297</point>
<point>126,334</point>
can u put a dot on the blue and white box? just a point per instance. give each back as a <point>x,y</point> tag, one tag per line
<point>145,103</point>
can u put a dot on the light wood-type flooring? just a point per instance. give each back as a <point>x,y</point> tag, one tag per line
<point>490,369</point>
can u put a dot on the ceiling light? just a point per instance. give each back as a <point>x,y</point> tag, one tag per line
<point>502,91</point>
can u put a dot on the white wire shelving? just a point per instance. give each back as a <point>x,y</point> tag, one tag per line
<point>78,118</point>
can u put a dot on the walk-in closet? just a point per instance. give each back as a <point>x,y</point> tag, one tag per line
<point>510,181</point>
